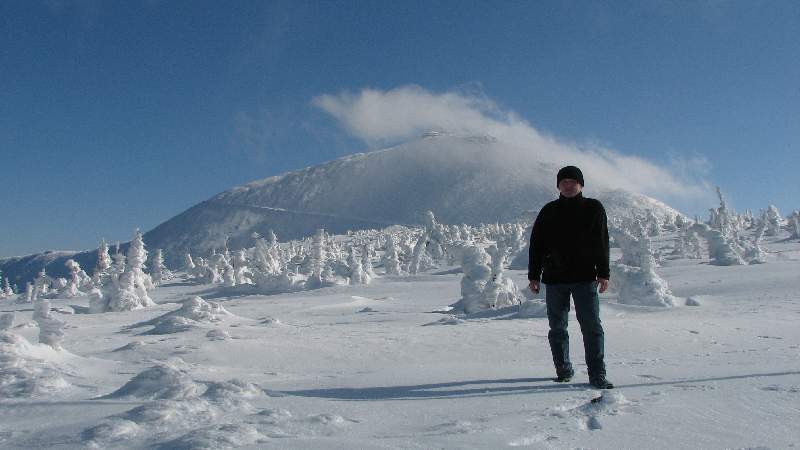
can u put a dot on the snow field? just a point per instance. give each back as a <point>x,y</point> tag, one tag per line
<point>355,367</point>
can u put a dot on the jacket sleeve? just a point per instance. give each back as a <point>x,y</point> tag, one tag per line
<point>536,251</point>
<point>602,253</point>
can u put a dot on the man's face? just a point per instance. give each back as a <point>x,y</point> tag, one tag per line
<point>569,188</point>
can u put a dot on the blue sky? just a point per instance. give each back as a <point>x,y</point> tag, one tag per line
<point>121,114</point>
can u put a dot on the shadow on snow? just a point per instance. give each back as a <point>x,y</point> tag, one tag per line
<point>443,391</point>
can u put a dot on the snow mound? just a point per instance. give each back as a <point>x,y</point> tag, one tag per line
<point>193,313</point>
<point>218,335</point>
<point>25,371</point>
<point>453,320</point>
<point>692,301</point>
<point>172,325</point>
<point>200,310</point>
<point>135,345</point>
<point>532,309</point>
<point>216,437</point>
<point>232,394</point>
<point>182,413</point>
<point>159,382</point>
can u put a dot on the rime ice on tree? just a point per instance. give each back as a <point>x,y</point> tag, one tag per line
<point>634,276</point>
<point>773,220</point>
<point>722,250</point>
<point>101,270</point>
<point>391,258</point>
<point>357,273</point>
<point>500,291</point>
<point>794,225</point>
<point>366,260</point>
<point>318,258</point>
<point>754,254</point>
<point>159,271</point>
<point>477,273</point>
<point>77,278</point>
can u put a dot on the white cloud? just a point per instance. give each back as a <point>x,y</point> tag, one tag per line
<point>380,117</point>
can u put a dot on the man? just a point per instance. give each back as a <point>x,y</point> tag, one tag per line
<point>569,254</point>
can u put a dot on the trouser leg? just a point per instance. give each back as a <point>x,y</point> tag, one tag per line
<point>557,299</point>
<point>587,310</point>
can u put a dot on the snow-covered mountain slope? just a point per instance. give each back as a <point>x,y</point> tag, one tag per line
<point>462,179</point>
<point>473,179</point>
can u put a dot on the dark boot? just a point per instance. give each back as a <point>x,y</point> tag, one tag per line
<point>600,382</point>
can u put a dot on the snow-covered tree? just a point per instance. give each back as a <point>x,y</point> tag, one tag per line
<point>188,263</point>
<point>41,285</point>
<point>77,280</point>
<point>357,273</point>
<point>794,225</point>
<point>158,271</point>
<point>318,259</point>
<point>500,291</point>
<point>126,295</point>
<point>8,292</point>
<point>241,271</point>
<point>634,276</point>
<point>391,257</point>
<point>754,254</point>
<point>435,237</point>
<point>773,220</point>
<point>30,292</point>
<point>477,273</point>
<point>366,260</point>
<point>103,266</point>
<point>420,259</point>
<point>653,224</point>
<point>722,250</point>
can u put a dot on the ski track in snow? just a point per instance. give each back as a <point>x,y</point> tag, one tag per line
<point>374,366</point>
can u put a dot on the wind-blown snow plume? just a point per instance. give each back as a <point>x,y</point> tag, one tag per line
<point>380,117</point>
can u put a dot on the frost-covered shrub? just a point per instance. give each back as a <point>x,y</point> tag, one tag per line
<point>773,220</point>
<point>123,295</point>
<point>421,260</point>
<point>366,260</point>
<point>78,279</point>
<point>754,254</point>
<point>188,263</point>
<point>391,258</point>
<point>51,330</point>
<point>653,225</point>
<point>241,271</point>
<point>158,270</point>
<point>722,250</point>
<point>483,285</point>
<point>357,273</point>
<point>41,285</point>
<point>634,277</point>
<point>500,291</point>
<point>477,272</point>
<point>7,291</point>
<point>102,270</point>
<point>794,225</point>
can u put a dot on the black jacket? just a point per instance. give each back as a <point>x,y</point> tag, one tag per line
<point>569,242</point>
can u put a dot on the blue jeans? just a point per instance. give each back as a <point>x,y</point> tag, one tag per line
<point>587,309</point>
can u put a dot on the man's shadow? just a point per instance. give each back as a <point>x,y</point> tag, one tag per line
<point>474,388</point>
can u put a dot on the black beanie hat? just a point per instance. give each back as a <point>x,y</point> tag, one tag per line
<point>571,172</point>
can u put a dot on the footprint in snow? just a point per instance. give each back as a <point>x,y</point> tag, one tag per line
<point>587,413</point>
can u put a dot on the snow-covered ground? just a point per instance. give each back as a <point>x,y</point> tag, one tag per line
<point>375,366</point>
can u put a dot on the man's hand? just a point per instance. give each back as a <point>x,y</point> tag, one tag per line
<point>534,286</point>
<point>603,283</point>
